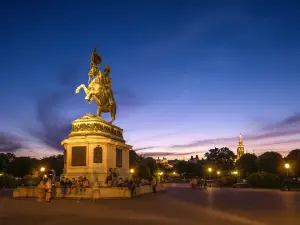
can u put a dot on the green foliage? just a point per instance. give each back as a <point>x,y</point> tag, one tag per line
<point>190,168</point>
<point>21,166</point>
<point>143,171</point>
<point>55,162</point>
<point>133,158</point>
<point>151,163</point>
<point>247,164</point>
<point>222,158</point>
<point>5,160</point>
<point>7,181</point>
<point>264,180</point>
<point>180,166</point>
<point>270,162</point>
<point>227,181</point>
<point>28,180</point>
<point>294,159</point>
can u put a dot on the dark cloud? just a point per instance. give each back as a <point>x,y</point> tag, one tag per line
<point>9,142</point>
<point>290,121</point>
<point>145,148</point>
<point>157,154</point>
<point>49,105</point>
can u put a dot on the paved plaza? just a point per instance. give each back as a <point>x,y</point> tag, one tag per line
<point>179,205</point>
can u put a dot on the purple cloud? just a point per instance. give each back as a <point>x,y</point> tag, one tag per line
<point>9,142</point>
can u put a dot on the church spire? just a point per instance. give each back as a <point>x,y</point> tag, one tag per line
<point>240,148</point>
<point>241,139</point>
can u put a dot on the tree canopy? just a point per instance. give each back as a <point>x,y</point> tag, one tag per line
<point>222,158</point>
<point>271,162</point>
<point>247,164</point>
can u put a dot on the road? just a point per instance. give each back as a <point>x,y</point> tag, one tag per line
<point>179,205</point>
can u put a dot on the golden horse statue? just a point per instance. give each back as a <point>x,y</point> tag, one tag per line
<point>100,88</point>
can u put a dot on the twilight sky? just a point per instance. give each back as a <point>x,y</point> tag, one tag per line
<point>187,75</point>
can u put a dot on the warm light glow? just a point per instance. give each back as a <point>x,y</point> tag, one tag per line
<point>209,169</point>
<point>1,174</point>
<point>45,176</point>
<point>218,172</point>
<point>235,172</point>
<point>287,166</point>
<point>43,169</point>
<point>161,173</point>
<point>174,173</point>
<point>131,170</point>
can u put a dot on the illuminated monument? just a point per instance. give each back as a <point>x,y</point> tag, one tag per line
<point>240,148</point>
<point>94,145</point>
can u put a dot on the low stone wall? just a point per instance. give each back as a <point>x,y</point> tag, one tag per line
<point>115,192</point>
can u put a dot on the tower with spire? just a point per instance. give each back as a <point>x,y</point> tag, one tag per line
<point>240,148</point>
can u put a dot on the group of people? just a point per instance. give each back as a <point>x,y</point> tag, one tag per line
<point>197,182</point>
<point>77,186</point>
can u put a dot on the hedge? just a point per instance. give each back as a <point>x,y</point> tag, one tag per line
<point>264,180</point>
<point>227,181</point>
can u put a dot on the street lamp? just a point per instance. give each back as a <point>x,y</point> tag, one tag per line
<point>287,166</point>
<point>131,170</point>
<point>218,173</point>
<point>174,173</point>
<point>209,171</point>
<point>235,172</point>
<point>42,169</point>
<point>161,173</point>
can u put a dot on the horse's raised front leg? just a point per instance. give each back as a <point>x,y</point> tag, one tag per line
<point>80,87</point>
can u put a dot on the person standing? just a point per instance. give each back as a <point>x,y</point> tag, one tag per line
<point>48,188</point>
<point>40,191</point>
<point>96,191</point>
<point>153,183</point>
<point>63,187</point>
<point>114,177</point>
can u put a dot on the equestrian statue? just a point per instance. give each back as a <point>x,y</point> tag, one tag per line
<point>99,88</point>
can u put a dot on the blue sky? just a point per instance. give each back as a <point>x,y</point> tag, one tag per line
<point>187,75</point>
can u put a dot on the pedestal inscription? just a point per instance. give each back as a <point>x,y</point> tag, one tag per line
<point>79,156</point>
<point>98,154</point>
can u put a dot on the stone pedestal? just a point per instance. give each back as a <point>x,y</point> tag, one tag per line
<point>94,146</point>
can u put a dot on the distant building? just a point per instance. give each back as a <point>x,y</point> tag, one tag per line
<point>240,149</point>
<point>194,159</point>
<point>164,162</point>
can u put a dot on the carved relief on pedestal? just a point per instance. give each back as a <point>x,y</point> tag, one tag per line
<point>93,125</point>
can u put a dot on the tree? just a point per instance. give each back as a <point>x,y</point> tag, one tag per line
<point>294,159</point>
<point>143,170</point>
<point>151,163</point>
<point>222,158</point>
<point>21,166</point>
<point>133,158</point>
<point>181,166</point>
<point>247,164</point>
<point>271,162</point>
<point>55,162</point>
<point>293,155</point>
<point>5,160</point>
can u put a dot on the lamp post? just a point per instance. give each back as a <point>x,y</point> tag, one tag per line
<point>287,167</point>
<point>42,169</point>
<point>131,171</point>
<point>209,171</point>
